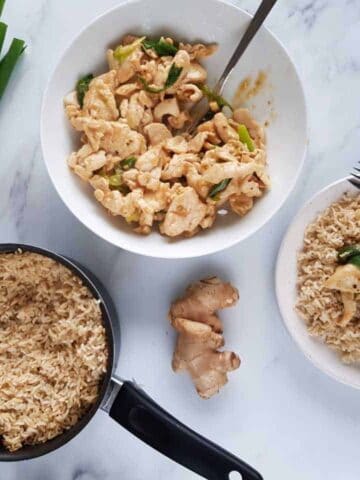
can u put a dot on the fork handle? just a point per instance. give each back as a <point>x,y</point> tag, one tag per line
<point>256,22</point>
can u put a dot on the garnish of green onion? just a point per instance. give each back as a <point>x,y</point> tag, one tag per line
<point>2,4</point>
<point>173,76</point>
<point>82,86</point>
<point>244,137</point>
<point>214,97</point>
<point>122,52</point>
<point>8,63</point>
<point>3,29</point>
<point>161,47</point>
<point>219,187</point>
<point>128,163</point>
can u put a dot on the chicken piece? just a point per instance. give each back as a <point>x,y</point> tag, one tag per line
<point>134,111</point>
<point>157,133</point>
<point>149,159</point>
<point>99,100</point>
<point>183,165</point>
<point>210,216</point>
<point>195,144</point>
<point>168,106</point>
<point>195,74</point>
<point>350,307</point>
<point>200,334</point>
<point>136,206</point>
<point>72,106</point>
<point>181,60</point>
<point>113,137</point>
<point>161,73</point>
<point>71,100</point>
<point>223,153</point>
<point>127,90</point>
<point>199,50</point>
<point>150,180</point>
<point>209,128</point>
<point>250,187</point>
<point>241,204</point>
<point>179,121</point>
<point>85,162</point>
<point>185,213</point>
<point>219,171</point>
<point>242,115</point>
<point>189,92</point>
<point>128,68</point>
<point>346,279</point>
<point>148,71</point>
<point>223,128</point>
<point>98,182</point>
<point>178,166</point>
<point>112,200</point>
<point>146,119</point>
<point>146,100</point>
<point>176,144</point>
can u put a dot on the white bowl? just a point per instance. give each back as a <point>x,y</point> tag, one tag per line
<point>209,21</point>
<point>316,351</point>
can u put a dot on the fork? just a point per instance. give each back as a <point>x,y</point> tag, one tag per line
<point>202,107</point>
<point>354,178</point>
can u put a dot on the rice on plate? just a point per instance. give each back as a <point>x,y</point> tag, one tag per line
<point>53,352</point>
<point>321,300</point>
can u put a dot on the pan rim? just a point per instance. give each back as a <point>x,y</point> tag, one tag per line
<point>89,280</point>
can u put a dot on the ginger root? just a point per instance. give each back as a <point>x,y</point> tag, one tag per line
<point>200,334</point>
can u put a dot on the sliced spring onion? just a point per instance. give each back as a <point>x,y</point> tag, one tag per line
<point>244,137</point>
<point>128,163</point>
<point>3,29</point>
<point>214,97</point>
<point>122,52</point>
<point>345,253</point>
<point>161,47</point>
<point>115,180</point>
<point>355,261</point>
<point>173,76</point>
<point>82,87</point>
<point>219,187</point>
<point>148,88</point>
<point>9,61</point>
<point>2,4</point>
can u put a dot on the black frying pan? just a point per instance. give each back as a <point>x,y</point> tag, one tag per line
<point>130,406</point>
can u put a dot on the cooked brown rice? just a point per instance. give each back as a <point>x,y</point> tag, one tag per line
<point>52,349</point>
<point>321,308</point>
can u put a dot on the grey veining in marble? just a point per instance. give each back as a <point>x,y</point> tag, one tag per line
<point>278,412</point>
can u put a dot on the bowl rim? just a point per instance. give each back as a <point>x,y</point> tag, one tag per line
<point>283,313</point>
<point>167,253</point>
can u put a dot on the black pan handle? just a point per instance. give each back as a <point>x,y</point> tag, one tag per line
<point>141,416</point>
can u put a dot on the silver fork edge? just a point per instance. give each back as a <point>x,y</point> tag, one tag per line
<point>199,111</point>
<point>354,178</point>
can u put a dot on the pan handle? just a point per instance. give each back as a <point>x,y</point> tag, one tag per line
<point>141,416</point>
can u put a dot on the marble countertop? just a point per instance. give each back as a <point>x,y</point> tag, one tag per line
<point>278,412</point>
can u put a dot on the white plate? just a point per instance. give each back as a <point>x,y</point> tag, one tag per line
<point>286,272</point>
<point>210,21</point>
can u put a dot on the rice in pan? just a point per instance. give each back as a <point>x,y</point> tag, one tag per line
<point>53,352</point>
<point>321,307</point>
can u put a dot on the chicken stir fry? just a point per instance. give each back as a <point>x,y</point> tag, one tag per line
<point>132,155</point>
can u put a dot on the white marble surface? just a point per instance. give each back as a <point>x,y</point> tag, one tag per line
<point>278,412</point>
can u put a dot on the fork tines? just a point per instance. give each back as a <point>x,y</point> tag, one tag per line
<point>354,178</point>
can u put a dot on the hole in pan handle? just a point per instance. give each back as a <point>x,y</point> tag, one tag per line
<point>139,414</point>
